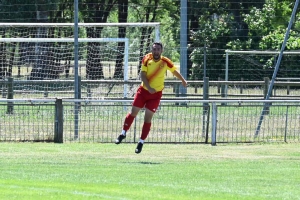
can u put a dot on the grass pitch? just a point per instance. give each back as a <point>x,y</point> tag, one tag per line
<point>161,171</point>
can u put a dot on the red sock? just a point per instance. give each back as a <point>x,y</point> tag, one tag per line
<point>145,130</point>
<point>127,122</point>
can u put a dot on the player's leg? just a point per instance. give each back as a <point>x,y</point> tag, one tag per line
<point>130,117</point>
<point>145,130</point>
<point>151,106</point>
<point>137,104</point>
<point>127,123</point>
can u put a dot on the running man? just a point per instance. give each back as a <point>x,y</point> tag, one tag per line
<point>148,95</point>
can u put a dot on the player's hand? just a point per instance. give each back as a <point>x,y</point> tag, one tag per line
<point>184,83</point>
<point>151,90</point>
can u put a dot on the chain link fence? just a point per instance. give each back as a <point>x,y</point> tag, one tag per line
<point>176,121</point>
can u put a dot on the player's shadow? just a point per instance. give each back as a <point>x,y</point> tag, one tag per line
<point>149,163</point>
<point>146,163</point>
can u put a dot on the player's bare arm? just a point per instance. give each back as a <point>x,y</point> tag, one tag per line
<point>146,82</point>
<point>180,77</point>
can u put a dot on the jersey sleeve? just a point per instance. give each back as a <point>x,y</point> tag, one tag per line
<point>170,64</point>
<point>144,68</point>
<point>145,60</point>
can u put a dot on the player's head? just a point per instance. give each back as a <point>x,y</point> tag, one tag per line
<point>157,49</point>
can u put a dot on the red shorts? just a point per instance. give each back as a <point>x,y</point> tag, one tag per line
<point>143,98</point>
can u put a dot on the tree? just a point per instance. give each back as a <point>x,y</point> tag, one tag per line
<point>270,30</point>
<point>222,25</point>
<point>95,13</point>
<point>164,11</point>
<point>9,12</point>
<point>213,31</point>
<point>17,10</point>
<point>40,69</point>
<point>28,11</point>
<point>122,18</point>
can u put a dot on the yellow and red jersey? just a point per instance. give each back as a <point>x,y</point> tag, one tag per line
<point>156,70</point>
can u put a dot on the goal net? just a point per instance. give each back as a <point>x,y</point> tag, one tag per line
<point>45,51</point>
<point>255,65</point>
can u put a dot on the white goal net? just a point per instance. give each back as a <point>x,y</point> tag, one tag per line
<point>45,51</point>
<point>257,65</point>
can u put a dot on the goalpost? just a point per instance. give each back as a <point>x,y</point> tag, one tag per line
<point>276,68</point>
<point>255,58</point>
<point>80,40</point>
<point>43,51</point>
<point>260,59</point>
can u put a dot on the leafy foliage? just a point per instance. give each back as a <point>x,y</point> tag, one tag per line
<point>17,11</point>
<point>213,27</point>
<point>211,36</point>
<point>258,28</point>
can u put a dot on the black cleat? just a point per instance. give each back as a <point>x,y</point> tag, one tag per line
<point>120,138</point>
<point>139,148</point>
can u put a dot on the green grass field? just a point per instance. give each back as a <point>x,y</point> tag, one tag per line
<point>161,171</point>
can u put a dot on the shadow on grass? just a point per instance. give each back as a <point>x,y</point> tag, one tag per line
<point>149,163</point>
<point>146,163</point>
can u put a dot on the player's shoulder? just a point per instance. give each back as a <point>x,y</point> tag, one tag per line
<point>147,57</point>
<point>167,60</point>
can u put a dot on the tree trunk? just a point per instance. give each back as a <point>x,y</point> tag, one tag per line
<point>2,58</point>
<point>122,17</point>
<point>102,9</point>
<point>94,69</point>
<point>11,59</point>
<point>146,41</point>
<point>39,70</point>
<point>193,24</point>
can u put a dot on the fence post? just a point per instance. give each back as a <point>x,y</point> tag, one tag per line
<point>241,86</point>
<point>206,88</point>
<point>176,88</point>
<point>266,88</point>
<point>58,134</point>
<point>288,88</point>
<point>46,90</point>
<point>79,87</point>
<point>219,86</point>
<point>214,125</point>
<point>88,90</point>
<point>205,106</point>
<point>223,93</point>
<point>267,83</point>
<point>3,89</point>
<point>109,71</point>
<point>10,95</point>
<point>130,71</point>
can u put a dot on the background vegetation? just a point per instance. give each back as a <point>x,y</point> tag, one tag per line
<point>213,27</point>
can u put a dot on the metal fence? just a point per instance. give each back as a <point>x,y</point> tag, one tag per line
<point>118,89</point>
<point>176,121</point>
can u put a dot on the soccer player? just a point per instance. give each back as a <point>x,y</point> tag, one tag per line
<point>149,94</point>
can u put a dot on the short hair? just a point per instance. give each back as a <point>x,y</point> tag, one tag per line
<point>158,43</point>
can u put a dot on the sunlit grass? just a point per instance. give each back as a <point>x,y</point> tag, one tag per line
<point>109,171</point>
